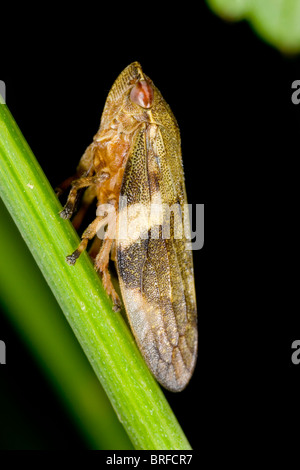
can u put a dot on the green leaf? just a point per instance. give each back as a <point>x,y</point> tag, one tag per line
<point>102,333</point>
<point>276,21</point>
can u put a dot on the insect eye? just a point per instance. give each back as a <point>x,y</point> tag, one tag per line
<point>142,94</point>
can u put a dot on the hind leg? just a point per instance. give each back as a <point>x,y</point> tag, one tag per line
<point>87,235</point>
<point>102,261</point>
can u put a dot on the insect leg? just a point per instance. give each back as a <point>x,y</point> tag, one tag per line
<point>88,198</point>
<point>84,182</point>
<point>61,188</point>
<point>95,248</point>
<point>101,264</point>
<point>87,235</point>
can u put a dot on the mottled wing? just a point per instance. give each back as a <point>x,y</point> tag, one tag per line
<point>156,273</point>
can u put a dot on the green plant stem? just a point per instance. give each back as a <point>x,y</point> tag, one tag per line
<point>34,312</point>
<point>102,333</point>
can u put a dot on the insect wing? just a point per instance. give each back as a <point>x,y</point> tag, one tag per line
<point>155,269</point>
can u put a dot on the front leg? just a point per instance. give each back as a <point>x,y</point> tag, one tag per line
<point>62,187</point>
<point>83,182</point>
<point>89,195</point>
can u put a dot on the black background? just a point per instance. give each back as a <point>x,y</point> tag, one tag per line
<point>231,94</point>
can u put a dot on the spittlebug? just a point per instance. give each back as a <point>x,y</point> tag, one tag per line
<point>134,164</point>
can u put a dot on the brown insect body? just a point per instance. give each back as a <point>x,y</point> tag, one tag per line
<point>136,154</point>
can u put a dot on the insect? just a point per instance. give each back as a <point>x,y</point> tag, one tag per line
<point>133,164</point>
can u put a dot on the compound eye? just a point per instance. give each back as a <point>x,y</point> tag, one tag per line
<point>142,94</point>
